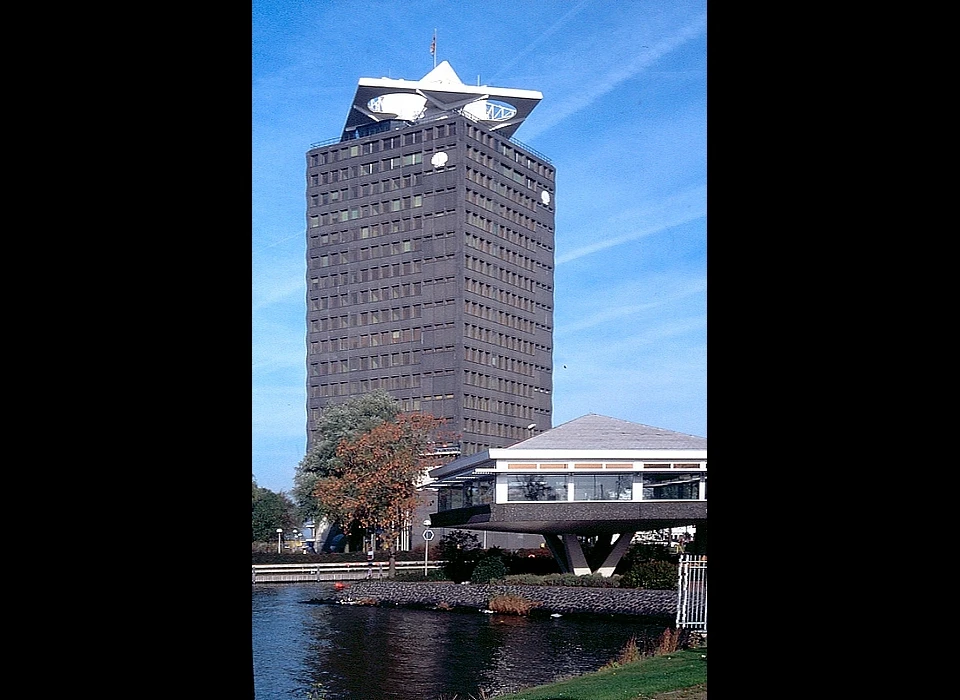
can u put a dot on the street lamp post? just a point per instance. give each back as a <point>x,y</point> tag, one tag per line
<point>427,536</point>
<point>279,535</point>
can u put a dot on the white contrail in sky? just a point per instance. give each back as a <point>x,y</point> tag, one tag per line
<point>685,206</point>
<point>585,97</point>
<point>276,243</point>
<point>694,288</point>
<point>530,47</point>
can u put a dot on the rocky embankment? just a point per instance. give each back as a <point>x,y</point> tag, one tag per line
<point>563,600</point>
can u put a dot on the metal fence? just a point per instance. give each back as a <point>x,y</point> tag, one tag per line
<point>347,571</point>
<point>692,592</point>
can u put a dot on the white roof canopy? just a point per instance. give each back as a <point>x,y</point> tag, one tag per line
<point>439,91</point>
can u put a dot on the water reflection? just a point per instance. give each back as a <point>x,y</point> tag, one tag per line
<point>368,653</point>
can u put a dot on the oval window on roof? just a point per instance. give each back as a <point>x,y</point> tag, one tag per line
<point>490,110</point>
<point>403,104</point>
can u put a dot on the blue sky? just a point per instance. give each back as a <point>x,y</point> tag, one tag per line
<point>623,118</point>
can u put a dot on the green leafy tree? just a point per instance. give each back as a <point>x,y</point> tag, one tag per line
<point>373,485</point>
<point>270,511</point>
<point>338,422</point>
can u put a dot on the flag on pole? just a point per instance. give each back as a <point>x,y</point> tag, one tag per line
<point>433,44</point>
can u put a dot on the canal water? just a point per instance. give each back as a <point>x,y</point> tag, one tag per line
<point>352,652</point>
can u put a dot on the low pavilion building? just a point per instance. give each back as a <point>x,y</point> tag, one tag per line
<point>594,476</point>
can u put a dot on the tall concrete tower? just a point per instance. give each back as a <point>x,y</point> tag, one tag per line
<point>430,255</point>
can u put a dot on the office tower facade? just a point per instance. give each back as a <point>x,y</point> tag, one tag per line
<point>430,257</point>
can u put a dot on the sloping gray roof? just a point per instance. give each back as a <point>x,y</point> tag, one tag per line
<point>589,432</point>
<point>596,432</point>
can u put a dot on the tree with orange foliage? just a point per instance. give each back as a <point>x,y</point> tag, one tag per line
<point>375,484</point>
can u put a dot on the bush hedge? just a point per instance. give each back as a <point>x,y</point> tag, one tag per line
<point>488,569</point>
<point>651,574</point>
<point>583,581</point>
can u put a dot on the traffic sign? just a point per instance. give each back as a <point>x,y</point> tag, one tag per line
<point>428,535</point>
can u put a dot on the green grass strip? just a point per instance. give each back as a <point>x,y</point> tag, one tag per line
<point>684,668</point>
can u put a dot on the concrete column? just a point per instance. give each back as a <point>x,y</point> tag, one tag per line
<point>574,552</point>
<point>620,548</point>
<point>556,549</point>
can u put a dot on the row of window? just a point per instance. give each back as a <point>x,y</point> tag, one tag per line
<point>341,389</point>
<point>364,189</point>
<point>345,321</point>
<point>416,222</point>
<point>490,141</point>
<point>363,296</point>
<point>339,280</point>
<point>501,188</point>
<point>498,406</point>
<point>523,159</point>
<point>329,177</point>
<point>507,386</point>
<point>367,362</point>
<point>365,253</point>
<point>365,210</point>
<point>503,340</point>
<point>528,488</point>
<point>384,250</point>
<point>503,231</point>
<point>529,466</point>
<point>482,267</point>
<point>365,386</point>
<point>366,340</point>
<point>364,318</point>
<point>487,313</point>
<point>488,291</point>
<point>413,223</point>
<point>508,364</point>
<point>514,279</point>
<point>505,170</point>
<point>535,487</point>
<point>408,335</point>
<point>372,274</point>
<point>508,234</point>
<point>498,251</point>
<point>373,230</point>
<point>319,240</point>
<point>410,138</point>
<point>502,210</point>
<point>494,429</point>
<point>513,154</point>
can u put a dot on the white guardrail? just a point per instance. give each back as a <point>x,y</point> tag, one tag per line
<point>347,571</point>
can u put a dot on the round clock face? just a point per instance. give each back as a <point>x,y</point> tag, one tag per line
<point>439,159</point>
<point>545,197</point>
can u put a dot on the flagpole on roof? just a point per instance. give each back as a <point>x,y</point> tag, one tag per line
<point>433,48</point>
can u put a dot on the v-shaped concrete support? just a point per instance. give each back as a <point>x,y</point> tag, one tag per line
<point>568,552</point>
<point>620,548</point>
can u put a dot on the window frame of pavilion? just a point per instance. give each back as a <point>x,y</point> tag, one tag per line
<point>580,482</point>
<point>673,480</point>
